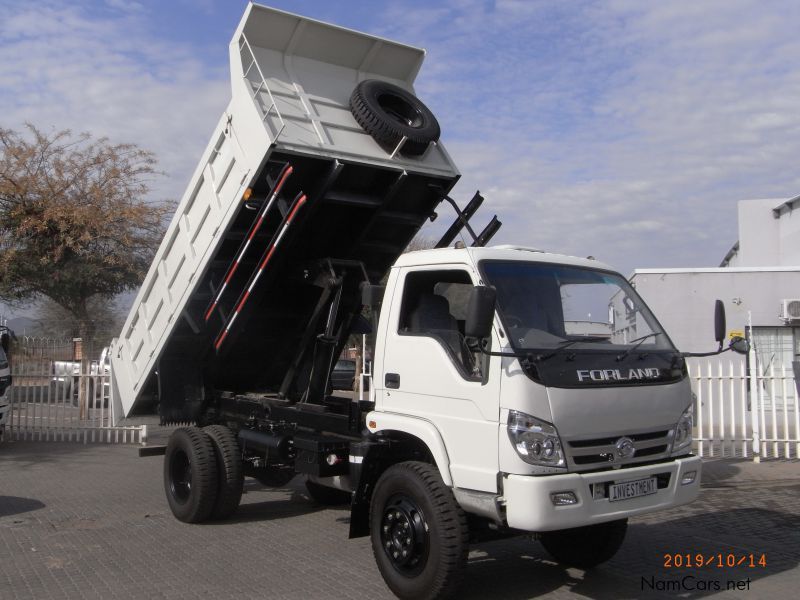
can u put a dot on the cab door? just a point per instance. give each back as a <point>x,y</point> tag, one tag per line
<point>429,372</point>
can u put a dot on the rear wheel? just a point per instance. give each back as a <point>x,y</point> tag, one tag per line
<point>325,495</point>
<point>190,475</point>
<point>585,547</point>
<point>419,533</point>
<point>230,476</point>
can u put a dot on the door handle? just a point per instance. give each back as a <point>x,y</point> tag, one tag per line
<point>392,380</point>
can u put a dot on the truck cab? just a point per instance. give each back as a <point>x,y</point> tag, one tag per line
<point>575,408</point>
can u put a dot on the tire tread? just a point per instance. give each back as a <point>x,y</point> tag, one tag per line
<point>199,448</point>
<point>386,132</point>
<point>230,472</point>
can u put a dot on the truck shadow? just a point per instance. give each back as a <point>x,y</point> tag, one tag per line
<point>282,502</point>
<point>521,568</point>
<point>14,505</point>
<point>270,510</point>
<point>723,470</point>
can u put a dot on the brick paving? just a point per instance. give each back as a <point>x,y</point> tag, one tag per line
<point>91,521</point>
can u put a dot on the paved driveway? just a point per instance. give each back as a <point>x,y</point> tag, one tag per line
<point>91,521</point>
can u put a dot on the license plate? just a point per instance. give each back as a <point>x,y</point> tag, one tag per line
<point>632,489</point>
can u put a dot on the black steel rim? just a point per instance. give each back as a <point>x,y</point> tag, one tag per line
<point>405,535</point>
<point>400,110</point>
<point>180,481</point>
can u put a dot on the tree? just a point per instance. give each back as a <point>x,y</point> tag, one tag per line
<point>54,321</point>
<point>75,222</point>
<point>420,242</point>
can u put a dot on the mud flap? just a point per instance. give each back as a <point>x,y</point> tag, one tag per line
<point>367,461</point>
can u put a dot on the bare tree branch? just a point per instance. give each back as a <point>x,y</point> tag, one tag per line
<point>75,221</point>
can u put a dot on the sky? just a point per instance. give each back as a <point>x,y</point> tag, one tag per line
<point>621,129</point>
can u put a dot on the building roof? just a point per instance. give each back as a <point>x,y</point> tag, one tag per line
<point>718,270</point>
<point>786,207</point>
<point>731,253</point>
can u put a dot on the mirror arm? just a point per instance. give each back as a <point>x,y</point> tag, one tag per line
<point>731,346</point>
<point>701,354</point>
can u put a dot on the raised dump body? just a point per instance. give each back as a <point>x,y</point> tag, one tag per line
<point>291,207</point>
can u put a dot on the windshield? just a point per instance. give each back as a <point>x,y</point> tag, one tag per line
<point>552,307</point>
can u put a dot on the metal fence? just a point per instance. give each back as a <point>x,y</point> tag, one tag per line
<point>55,397</point>
<point>740,414</point>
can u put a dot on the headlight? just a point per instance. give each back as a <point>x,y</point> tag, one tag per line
<point>683,432</point>
<point>535,441</point>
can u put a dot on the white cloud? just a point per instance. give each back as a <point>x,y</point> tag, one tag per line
<point>623,129</point>
<point>126,5</point>
<point>104,73</point>
<point>71,66</point>
<point>626,130</point>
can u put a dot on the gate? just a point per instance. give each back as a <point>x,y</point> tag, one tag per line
<point>56,396</point>
<point>747,415</point>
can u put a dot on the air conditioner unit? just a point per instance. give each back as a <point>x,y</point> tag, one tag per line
<point>790,309</point>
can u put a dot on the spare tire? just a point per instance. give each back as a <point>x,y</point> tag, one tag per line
<point>389,113</point>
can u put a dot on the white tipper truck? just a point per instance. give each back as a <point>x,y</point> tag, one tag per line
<point>514,390</point>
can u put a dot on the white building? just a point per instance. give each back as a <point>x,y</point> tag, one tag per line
<point>769,234</point>
<point>758,281</point>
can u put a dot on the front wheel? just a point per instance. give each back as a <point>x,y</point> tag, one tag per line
<point>585,547</point>
<point>419,532</point>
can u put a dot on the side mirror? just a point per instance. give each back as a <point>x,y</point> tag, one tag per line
<point>480,312</point>
<point>719,323</point>
<point>372,295</point>
<point>739,345</point>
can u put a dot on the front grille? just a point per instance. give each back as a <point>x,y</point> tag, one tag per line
<point>610,441</point>
<point>598,453</point>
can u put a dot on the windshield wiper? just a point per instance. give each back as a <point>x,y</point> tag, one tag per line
<point>561,346</point>
<point>637,342</point>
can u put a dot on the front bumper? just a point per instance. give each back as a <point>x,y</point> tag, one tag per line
<point>529,507</point>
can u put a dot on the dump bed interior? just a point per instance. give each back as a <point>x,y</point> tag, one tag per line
<point>211,316</point>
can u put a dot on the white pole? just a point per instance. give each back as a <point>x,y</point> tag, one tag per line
<point>754,393</point>
<point>363,364</point>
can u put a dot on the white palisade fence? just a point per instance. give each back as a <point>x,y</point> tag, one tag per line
<point>741,414</point>
<point>62,400</point>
